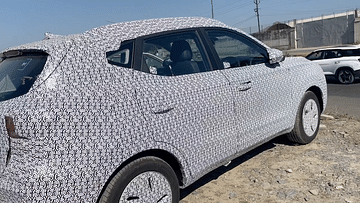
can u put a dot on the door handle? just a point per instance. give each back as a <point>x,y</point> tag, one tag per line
<point>244,86</point>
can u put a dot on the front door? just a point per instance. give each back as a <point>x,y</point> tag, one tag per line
<point>262,99</point>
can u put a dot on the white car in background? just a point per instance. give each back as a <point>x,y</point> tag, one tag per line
<point>341,62</point>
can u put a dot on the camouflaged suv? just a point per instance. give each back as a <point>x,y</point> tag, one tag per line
<point>133,111</point>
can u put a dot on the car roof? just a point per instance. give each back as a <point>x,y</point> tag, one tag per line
<point>134,29</point>
<point>109,37</point>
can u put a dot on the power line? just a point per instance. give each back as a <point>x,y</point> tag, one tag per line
<point>230,4</point>
<point>244,20</point>
<point>257,12</point>
<point>234,8</point>
<point>225,9</point>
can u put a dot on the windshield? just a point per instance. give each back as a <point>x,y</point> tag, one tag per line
<point>18,74</point>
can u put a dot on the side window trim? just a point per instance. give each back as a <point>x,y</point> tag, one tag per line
<point>212,54</point>
<point>203,46</point>
<point>138,53</point>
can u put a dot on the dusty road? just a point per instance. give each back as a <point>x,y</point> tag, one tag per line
<point>326,170</point>
<point>343,99</point>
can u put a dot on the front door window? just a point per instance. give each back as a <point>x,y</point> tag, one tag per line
<point>234,51</point>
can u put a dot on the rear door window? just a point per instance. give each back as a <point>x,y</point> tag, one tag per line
<point>332,54</point>
<point>174,54</point>
<point>18,73</point>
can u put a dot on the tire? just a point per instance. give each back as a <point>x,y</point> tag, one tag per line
<point>345,76</point>
<point>307,120</point>
<point>148,179</point>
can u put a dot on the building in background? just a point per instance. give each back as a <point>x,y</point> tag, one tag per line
<point>279,35</point>
<point>329,30</point>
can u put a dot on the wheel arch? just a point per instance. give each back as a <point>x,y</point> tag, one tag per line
<point>159,153</point>
<point>317,91</point>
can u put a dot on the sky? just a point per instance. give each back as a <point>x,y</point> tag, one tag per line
<point>24,21</point>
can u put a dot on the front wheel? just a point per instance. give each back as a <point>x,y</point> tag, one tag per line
<point>148,179</point>
<point>345,76</point>
<point>307,120</point>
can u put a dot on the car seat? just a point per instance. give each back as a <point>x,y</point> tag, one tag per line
<point>181,56</point>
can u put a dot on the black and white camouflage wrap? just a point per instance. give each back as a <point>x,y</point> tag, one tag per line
<point>84,117</point>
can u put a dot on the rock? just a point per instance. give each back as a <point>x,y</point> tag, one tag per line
<point>339,187</point>
<point>314,192</point>
<point>322,126</point>
<point>253,179</point>
<point>288,170</point>
<point>326,117</point>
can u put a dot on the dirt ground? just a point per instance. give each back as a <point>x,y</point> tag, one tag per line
<point>326,170</point>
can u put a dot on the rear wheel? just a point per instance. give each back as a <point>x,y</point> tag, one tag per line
<point>307,120</point>
<point>345,76</point>
<point>148,179</point>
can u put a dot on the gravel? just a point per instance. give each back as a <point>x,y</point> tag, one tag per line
<point>326,170</point>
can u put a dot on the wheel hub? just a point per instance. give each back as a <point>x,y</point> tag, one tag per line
<point>310,117</point>
<point>346,76</point>
<point>147,187</point>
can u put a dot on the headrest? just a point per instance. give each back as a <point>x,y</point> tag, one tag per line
<point>180,51</point>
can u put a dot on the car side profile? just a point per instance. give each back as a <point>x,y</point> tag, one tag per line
<point>341,62</point>
<point>133,111</point>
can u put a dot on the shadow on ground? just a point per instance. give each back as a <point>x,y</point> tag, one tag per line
<point>213,175</point>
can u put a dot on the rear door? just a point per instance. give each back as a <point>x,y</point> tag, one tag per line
<point>191,108</point>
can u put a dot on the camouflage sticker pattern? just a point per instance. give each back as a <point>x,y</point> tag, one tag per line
<point>84,117</point>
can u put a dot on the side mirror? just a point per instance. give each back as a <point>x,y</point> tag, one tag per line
<point>275,56</point>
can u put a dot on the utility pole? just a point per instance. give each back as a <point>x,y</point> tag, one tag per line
<point>212,9</point>
<point>257,12</point>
